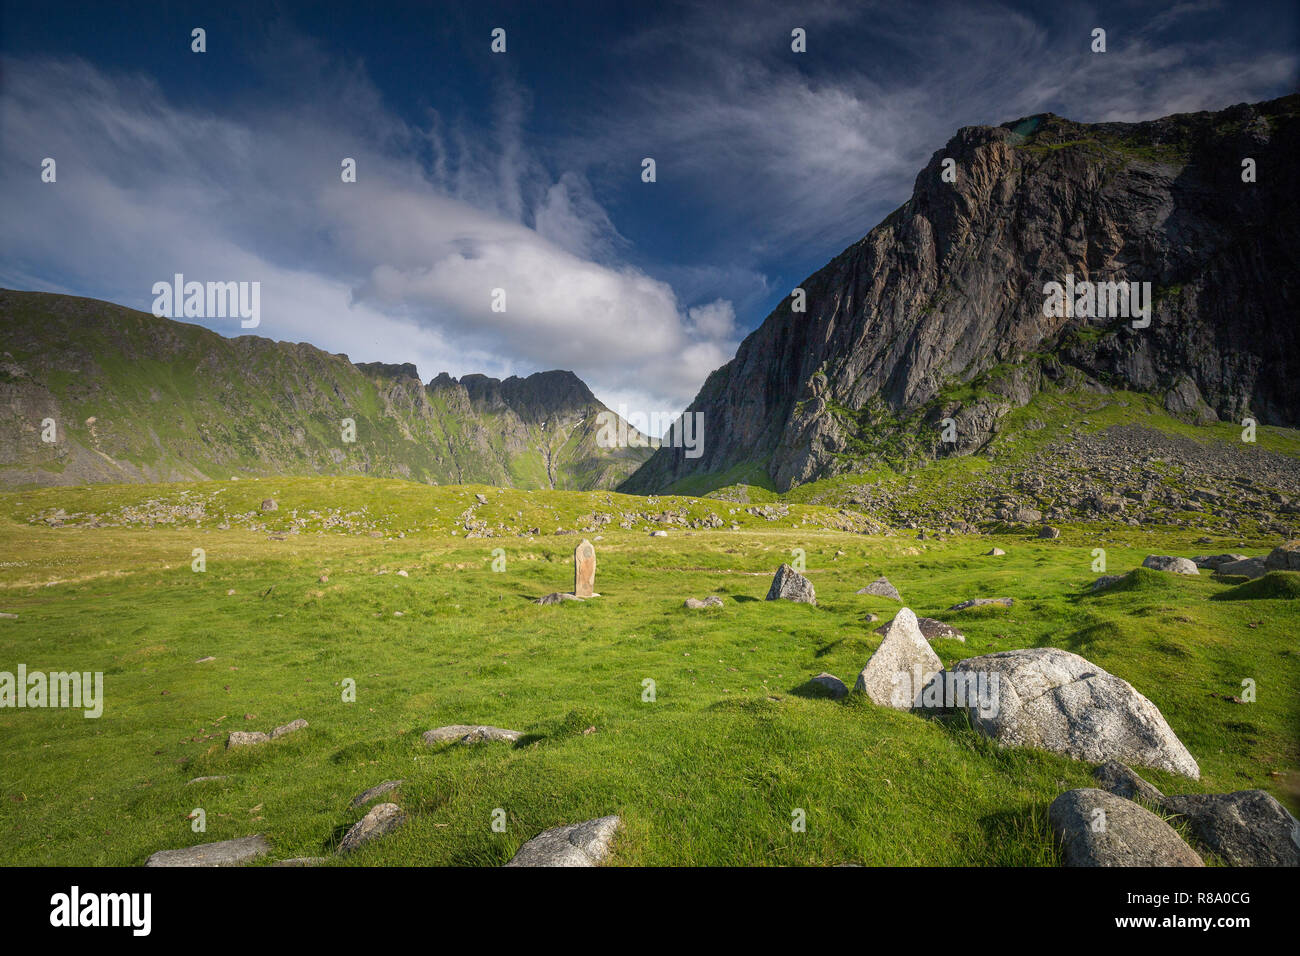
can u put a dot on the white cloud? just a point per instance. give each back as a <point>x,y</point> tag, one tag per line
<point>399,266</point>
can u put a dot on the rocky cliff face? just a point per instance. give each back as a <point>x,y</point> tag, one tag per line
<point>138,398</point>
<point>938,313</point>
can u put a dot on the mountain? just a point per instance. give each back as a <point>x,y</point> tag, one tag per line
<point>939,312</point>
<point>140,398</point>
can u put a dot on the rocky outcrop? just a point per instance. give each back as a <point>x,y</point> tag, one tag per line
<point>950,288</point>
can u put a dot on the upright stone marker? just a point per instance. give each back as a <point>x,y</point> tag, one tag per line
<point>584,570</point>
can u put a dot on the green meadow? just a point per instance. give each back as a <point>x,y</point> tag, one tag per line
<point>733,748</point>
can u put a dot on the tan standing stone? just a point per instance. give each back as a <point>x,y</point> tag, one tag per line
<point>584,570</point>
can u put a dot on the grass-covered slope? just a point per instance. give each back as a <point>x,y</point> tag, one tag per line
<point>710,772</point>
<point>139,398</point>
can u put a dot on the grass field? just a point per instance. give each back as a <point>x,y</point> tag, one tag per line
<point>712,771</point>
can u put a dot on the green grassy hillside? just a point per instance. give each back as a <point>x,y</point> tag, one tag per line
<point>139,398</point>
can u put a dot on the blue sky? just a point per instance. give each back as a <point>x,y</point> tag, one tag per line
<point>522,170</point>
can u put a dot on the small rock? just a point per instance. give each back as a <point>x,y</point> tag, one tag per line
<point>362,799</point>
<point>246,738</point>
<point>469,734</point>
<point>225,853</point>
<point>289,728</point>
<point>982,602</point>
<point>994,553</point>
<point>790,585</point>
<point>1105,581</point>
<point>383,819</point>
<point>579,844</point>
<point>270,504</point>
<point>834,687</point>
<point>1046,531</point>
<point>481,499</point>
<point>658,534</point>
<point>1117,778</point>
<point>301,861</point>
<point>204,660</point>
<point>556,597</point>
<point>881,588</point>
<point>8,617</point>
<point>1096,828</point>
<point>206,780</point>
<point>934,630</point>
<point>711,601</point>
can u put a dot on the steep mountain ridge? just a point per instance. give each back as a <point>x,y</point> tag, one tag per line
<point>140,398</point>
<point>938,312</point>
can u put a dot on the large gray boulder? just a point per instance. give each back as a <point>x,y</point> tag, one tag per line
<point>1284,558</point>
<point>1246,828</point>
<point>881,588</point>
<point>1165,562</point>
<point>1213,562</point>
<point>1053,700</point>
<point>1096,828</point>
<point>901,666</point>
<point>1247,567</point>
<point>578,844</point>
<point>790,585</point>
<point>225,853</point>
<point>384,818</point>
